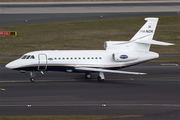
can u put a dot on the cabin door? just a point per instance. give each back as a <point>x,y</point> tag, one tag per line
<point>42,62</point>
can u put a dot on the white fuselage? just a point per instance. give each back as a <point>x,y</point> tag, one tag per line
<point>67,60</point>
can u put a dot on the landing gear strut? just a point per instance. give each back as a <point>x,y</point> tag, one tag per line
<point>101,77</point>
<point>32,74</point>
<point>88,76</point>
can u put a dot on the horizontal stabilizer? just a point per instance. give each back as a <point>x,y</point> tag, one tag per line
<point>105,70</point>
<point>154,42</point>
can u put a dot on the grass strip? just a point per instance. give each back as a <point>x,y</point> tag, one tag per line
<point>86,35</point>
<point>69,117</point>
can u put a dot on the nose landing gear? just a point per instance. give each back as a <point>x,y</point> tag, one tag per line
<point>32,79</point>
<point>32,74</point>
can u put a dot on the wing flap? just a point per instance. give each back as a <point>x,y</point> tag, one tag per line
<point>105,70</point>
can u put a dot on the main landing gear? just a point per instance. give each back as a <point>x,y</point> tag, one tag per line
<point>100,78</point>
<point>32,74</point>
<point>88,75</point>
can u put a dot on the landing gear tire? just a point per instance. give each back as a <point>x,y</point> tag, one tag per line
<point>88,76</point>
<point>32,74</point>
<point>100,79</point>
<point>32,79</point>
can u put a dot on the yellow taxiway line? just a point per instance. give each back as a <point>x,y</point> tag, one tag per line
<point>2,89</point>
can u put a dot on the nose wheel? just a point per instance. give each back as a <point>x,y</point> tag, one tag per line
<point>32,79</point>
<point>32,74</point>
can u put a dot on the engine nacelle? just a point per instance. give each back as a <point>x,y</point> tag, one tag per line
<point>124,57</point>
<point>114,44</point>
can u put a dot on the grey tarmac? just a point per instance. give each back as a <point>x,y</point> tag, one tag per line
<point>155,95</point>
<point>43,12</point>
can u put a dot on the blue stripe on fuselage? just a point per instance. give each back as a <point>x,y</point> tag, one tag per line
<point>65,68</point>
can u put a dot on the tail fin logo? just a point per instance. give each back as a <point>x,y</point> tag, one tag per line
<point>149,26</point>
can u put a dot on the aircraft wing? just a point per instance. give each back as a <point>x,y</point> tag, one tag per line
<point>105,70</point>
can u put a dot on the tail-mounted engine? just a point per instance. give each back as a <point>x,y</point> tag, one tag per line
<point>113,44</point>
<point>124,57</point>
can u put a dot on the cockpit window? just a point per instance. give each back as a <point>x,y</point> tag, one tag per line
<point>23,57</point>
<point>28,57</point>
<point>32,57</point>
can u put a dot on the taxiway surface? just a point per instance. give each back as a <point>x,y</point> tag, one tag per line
<point>33,13</point>
<point>155,95</point>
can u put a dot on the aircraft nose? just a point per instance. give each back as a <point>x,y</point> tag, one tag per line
<point>12,65</point>
<point>9,65</point>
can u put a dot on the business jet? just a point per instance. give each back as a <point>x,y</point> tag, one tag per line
<point>117,55</point>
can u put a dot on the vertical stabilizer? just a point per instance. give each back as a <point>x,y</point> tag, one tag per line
<point>141,41</point>
<point>147,31</point>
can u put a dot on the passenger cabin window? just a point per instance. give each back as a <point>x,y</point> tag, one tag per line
<point>64,58</point>
<point>50,58</point>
